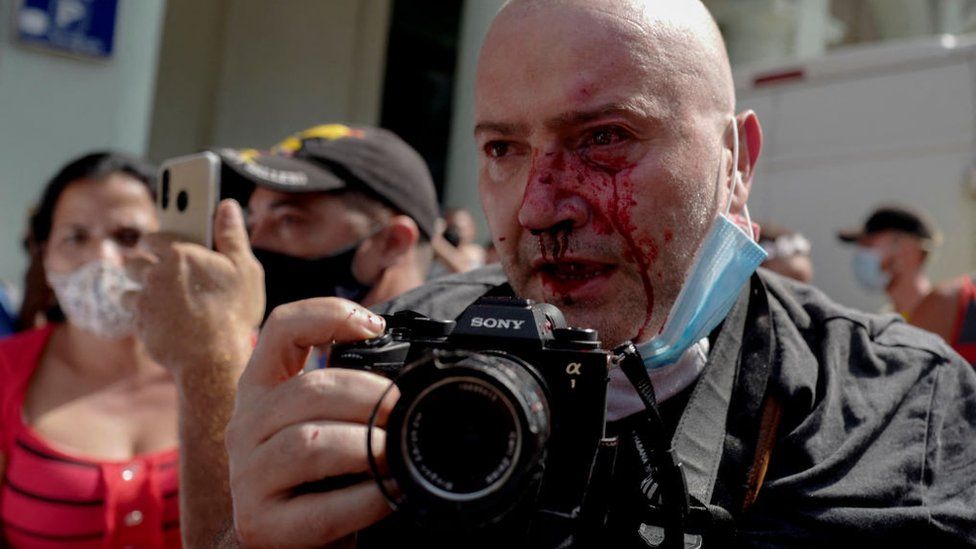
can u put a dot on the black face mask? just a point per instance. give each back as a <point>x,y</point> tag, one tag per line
<point>288,278</point>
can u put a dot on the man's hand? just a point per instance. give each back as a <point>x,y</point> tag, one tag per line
<point>198,312</point>
<point>289,429</point>
<point>194,298</point>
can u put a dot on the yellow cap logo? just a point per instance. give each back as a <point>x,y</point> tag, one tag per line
<point>326,131</point>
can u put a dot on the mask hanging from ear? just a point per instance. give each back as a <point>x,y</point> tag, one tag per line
<point>724,262</point>
<point>288,278</point>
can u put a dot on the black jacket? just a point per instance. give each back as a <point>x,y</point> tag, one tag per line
<point>878,438</point>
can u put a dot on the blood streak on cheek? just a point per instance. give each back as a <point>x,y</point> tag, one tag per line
<point>614,181</point>
<point>644,251</point>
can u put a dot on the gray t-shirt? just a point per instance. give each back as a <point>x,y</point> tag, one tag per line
<point>877,442</point>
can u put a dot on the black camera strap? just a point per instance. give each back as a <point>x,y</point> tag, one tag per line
<point>698,444</point>
<point>700,436</point>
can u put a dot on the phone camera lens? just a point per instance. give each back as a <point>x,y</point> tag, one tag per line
<point>164,190</point>
<point>182,200</point>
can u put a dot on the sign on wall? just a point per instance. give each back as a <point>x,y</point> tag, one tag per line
<point>79,27</point>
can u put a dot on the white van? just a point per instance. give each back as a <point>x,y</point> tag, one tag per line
<point>892,122</point>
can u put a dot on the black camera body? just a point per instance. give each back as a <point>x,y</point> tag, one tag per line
<point>500,415</point>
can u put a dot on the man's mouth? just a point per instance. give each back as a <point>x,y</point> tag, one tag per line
<point>566,277</point>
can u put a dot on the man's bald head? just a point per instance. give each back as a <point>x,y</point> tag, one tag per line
<point>680,36</point>
<point>606,152</point>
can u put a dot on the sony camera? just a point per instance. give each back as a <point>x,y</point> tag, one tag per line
<point>500,414</point>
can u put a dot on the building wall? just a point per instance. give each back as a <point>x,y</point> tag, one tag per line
<point>245,73</point>
<point>54,107</point>
<point>461,185</point>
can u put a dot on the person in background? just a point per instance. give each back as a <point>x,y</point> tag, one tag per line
<point>950,312</point>
<point>788,252</point>
<point>335,210</point>
<point>8,321</point>
<point>88,430</point>
<point>892,249</point>
<point>464,253</point>
<point>38,299</point>
<point>338,211</point>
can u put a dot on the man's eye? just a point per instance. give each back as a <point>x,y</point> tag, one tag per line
<point>497,149</point>
<point>289,220</point>
<point>605,136</point>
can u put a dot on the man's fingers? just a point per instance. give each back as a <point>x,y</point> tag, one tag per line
<point>309,452</point>
<point>158,244</point>
<point>295,328</point>
<point>331,394</point>
<point>230,233</point>
<point>313,519</point>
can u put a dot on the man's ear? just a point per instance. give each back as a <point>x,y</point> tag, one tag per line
<point>397,240</point>
<point>750,145</point>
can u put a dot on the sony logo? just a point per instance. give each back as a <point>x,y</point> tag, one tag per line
<point>501,323</point>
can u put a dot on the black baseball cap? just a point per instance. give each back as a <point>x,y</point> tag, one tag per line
<point>333,157</point>
<point>894,217</point>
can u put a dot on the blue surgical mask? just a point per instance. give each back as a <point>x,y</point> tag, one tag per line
<point>868,271</point>
<point>725,260</point>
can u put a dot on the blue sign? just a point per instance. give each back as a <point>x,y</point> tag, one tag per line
<point>81,27</point>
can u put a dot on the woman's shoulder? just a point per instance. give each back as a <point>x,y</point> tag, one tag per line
<point>20,353</point>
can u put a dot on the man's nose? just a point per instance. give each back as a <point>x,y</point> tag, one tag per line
<point>550,198</point>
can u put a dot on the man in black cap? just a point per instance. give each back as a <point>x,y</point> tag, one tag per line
<point>893,247</point>
<point>338,211</point>
<point>334,210</point>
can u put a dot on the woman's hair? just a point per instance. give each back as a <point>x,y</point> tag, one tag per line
<point>38,297</point>
<point>94,166</point>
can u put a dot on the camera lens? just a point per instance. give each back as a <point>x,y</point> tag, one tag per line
<point>164,190</point>
<point>483,432</point>
<point>182,199</point>
<point>470,434</point>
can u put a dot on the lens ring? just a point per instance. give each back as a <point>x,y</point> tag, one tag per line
<point>429,479</point>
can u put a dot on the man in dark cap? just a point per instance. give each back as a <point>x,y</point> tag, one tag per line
<point>893,247</point>
<point>334,210</point>
<point>338,211</point>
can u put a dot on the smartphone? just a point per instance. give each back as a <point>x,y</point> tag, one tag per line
<point>189,190</point>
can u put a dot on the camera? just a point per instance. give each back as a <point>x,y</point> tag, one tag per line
<point>501,414</point>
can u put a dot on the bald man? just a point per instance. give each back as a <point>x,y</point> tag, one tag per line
<point>614,173</point>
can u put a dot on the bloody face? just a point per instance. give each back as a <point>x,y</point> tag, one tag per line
<point>599,160</point>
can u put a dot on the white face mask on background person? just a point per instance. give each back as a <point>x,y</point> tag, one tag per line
<point>91,298</point>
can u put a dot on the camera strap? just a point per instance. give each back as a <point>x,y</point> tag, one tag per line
<point>735,379</point>
<point>700,436</point>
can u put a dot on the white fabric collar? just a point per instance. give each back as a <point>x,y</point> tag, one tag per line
<point>622,399</point>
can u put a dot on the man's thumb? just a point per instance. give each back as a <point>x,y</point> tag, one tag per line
<point>230,234</point>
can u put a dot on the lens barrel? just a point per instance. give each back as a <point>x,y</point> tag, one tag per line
<point>467,437</point>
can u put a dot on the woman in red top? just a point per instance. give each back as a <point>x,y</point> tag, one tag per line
<point>88,427</point>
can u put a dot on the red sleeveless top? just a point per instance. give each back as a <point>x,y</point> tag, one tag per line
<point>51,498</point>
<point>964,333</point>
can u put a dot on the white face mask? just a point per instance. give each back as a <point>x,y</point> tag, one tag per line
<point>91,298</point>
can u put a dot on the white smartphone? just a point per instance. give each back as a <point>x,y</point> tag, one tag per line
<point>189,190</point>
